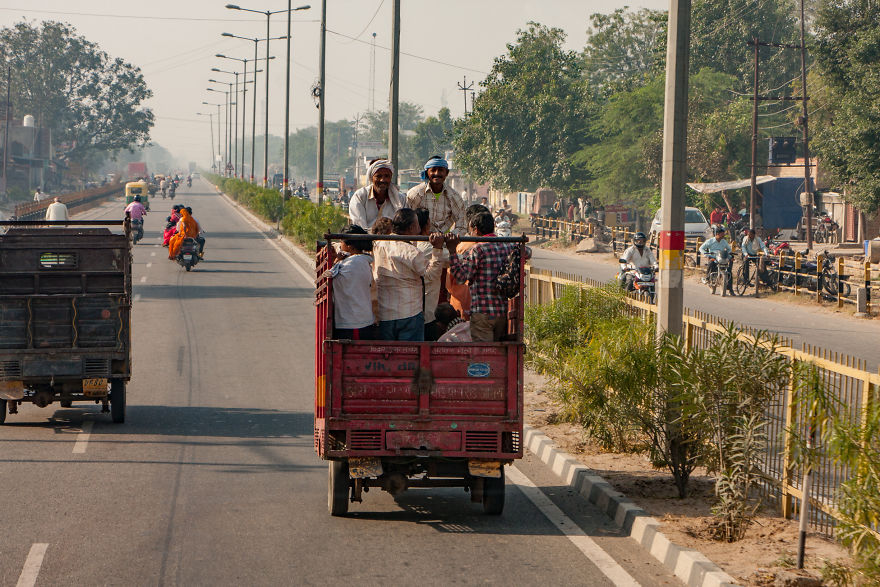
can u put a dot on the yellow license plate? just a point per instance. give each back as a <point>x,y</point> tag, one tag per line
<point>12,390</point>
<point>95,387</point>
<point>364,467</point>
<point>484,468</point>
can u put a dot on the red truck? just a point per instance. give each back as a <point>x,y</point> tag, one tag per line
<point>394,415</point>
<point>137,170</point>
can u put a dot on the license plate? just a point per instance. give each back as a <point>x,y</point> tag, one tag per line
<point>95,387</point>
<point>363,467</point>
<point>12,390</point>
<point>187,257</point>
<point>484,468</point>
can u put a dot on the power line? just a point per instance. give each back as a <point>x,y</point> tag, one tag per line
<point>378,8</point>
<point>141,16</point>
<point>429,59</point>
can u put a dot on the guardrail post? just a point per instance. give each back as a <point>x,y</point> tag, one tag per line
<point>797,270</point>
<point>614,239</point>
<point>868,287</point>
<point>699,244</point>
<point>840,269</point>
<point>820,260</point>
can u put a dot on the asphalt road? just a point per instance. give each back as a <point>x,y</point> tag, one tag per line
<point>213,480</point>
<point>799,322</point>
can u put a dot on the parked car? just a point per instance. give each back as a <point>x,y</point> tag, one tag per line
<point>695,224</point>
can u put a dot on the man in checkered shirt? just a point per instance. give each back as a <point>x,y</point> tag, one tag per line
<point>445,206</point>
<point>479,266</point>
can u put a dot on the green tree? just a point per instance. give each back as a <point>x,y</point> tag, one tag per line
<point>529,119</point>
<point>847,50</point>
<point>433,136</point>
<point>623,49</point>
<point>90,100</point>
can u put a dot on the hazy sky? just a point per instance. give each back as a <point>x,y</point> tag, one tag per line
<point>174,43</point>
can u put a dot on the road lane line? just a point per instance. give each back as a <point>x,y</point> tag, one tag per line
<point>601,559</point>
<point>246,216</point>
<point>149,265</point>
<point>82,439</point>
<point>144,279</point>
<point>153,254</point>
<point>32,564</point>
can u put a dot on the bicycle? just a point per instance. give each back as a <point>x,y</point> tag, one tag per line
<point>742,285</point>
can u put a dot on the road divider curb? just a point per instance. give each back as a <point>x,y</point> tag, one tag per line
<point>691,566</point>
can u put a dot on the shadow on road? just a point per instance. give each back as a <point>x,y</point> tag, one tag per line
<point>173,292</point>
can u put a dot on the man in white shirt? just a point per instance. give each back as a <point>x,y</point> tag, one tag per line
<point>401,269</point>
<point>639,255</point>
<point>751,245</point>
<point>57,211</point>
<point>379,199</point>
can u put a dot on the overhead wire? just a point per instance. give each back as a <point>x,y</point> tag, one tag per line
<point>142,16</point>
<point>378,8</point>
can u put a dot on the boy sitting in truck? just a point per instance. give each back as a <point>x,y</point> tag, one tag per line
<point>353,290</point>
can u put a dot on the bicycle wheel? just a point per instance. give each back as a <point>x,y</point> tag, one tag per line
<point>689,261</point>
<point>743,284</point>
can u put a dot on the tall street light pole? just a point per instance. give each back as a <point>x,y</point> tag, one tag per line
<point>225,151</point>
<point>216,160</point>
<point>671,298</point>
<point>255,41</point>
<point>268,14</point>
<point>211,122</point>
<point>243,109</point>
<point>287,102</point>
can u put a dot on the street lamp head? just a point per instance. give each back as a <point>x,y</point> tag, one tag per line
<point>233,7</point>
<point>227,35</point>
<point>221,55</point>
<point>303,7</point>
<point>215,69</point>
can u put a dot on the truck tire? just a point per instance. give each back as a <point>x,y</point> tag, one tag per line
<point>338,488</point>
<point>3,411</point>
<point>493,494</point>
<point>117,400</point>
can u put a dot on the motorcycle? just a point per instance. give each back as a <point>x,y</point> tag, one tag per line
<point>503,228</point>
<point>189,182</point>
<point>188,257</point>
<point>644,279</point>
<point>172,192</point>
<point>137,230</point>
<point>721,273</point>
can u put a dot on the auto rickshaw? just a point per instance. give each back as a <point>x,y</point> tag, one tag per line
<point>137,188</point>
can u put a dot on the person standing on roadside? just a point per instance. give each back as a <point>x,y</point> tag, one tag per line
<point>445,206</point>
<point>57,211</point>
<point>380,199</point>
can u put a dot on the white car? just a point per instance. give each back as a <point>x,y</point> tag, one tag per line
<point>695,224</point>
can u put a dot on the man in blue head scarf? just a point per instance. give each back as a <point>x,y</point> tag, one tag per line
<point>445,206</point>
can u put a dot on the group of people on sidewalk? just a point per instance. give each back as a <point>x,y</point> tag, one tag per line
<point>390,289</point>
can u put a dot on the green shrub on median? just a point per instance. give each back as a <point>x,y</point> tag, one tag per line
<point>302,220</point>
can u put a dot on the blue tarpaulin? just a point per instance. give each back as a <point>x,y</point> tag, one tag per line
<point>782,206</point>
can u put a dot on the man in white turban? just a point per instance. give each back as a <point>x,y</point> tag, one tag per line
<point>379,198</point>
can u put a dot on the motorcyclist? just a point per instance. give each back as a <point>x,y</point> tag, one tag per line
<point>189,181</point>
<point>199,239</point>
<point>713,247</point>
<point>751,245</point>
<point>639,256</point>
<point>163,185</point>
<point>172,190</point>
<point>137,212</point>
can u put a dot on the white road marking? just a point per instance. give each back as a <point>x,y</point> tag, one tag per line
<point>82,439</point>
<point>308,277</point>
<point>572,531</point>
<point>144,279</point>
<point>149,265</point>
<point>137,297</point>
<point>32,564</point>
<point>153,254</point>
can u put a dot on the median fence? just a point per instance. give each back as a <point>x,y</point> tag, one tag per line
<point>846,379</point>
<point>37,210</point>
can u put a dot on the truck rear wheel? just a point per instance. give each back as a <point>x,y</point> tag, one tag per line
<point>117,400</point>
<point>2,411</point>
<point>493,494</point>
<point>338,488</point>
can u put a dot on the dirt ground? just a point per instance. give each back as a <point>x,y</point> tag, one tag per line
<point>770,545</point>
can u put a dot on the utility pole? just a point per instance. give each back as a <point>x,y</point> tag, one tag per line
<point>244,111</point>
<point>671,299</point>
<point>354,146</point>
<point>804,125</point>
<point>235,143</point>
<point>6,132</point>
<point>213,159</point>
<point>395,88</point>
<point>372,107</point>
<point>320,186</point>
<point>465,88</point>
<point>286,178</point>
<point>754,184</point>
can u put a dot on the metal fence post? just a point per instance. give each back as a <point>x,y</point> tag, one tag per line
<point>699,244</point>
<point>840,269</point>
<point>868,287</point>
<point>788,450</point>
<point>797,270</point>
<point>820,260</point>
